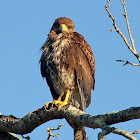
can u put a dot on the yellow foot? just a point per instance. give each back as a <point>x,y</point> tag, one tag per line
<point>62,104</point>
<point>58,102</point>
<point>47,104</point>
<point>65,102</point>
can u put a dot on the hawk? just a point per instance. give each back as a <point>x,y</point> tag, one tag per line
<point>68,64</point>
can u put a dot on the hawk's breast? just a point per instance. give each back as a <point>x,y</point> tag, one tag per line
<point>58,68</point>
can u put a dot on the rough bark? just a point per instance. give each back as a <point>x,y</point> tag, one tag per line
<point>35,118</point>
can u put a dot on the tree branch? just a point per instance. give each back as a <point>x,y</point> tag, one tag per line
<point>52,129</point>
<point>32,120</point>
<point>127,62</point>
<point>8,136</point>
<point>123,133</point>
<point>132,49</point>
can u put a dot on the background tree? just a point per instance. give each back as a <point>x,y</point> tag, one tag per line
<point>22,88</point>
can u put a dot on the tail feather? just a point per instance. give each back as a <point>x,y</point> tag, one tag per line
<point>79,133</point>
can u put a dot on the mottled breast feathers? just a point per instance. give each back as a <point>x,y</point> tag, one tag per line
<point>67,62</point>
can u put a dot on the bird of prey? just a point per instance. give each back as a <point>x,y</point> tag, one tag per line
<point>68,64</point>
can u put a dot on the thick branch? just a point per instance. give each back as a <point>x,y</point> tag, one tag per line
<point>8,136</point>
<point>32,120</point>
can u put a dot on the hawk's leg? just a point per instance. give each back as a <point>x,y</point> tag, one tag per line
<point>65,102</point>
<point>58,102</point>
<point>54,101</point>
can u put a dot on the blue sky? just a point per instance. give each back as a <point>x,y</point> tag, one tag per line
<point>24,27</point>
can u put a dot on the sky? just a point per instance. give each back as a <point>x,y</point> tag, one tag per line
<point>24,25</point>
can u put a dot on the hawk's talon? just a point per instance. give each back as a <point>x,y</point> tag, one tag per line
<point>47,104</point>
<point>63,104</point>
<point>58,102</point>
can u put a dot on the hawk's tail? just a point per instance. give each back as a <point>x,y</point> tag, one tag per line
<point>79,131</point>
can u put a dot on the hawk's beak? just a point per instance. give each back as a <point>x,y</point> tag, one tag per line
<point>63,28</point>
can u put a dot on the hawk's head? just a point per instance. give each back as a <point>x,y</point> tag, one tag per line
<point>63,24</point>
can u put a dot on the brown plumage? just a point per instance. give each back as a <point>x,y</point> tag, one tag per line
<point>67,62</point>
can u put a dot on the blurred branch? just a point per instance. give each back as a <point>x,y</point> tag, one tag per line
<point>27,137</point>
<point>135,132</point>
<point>32,120</point>
<point>132,49</point>
<point>8,136</point>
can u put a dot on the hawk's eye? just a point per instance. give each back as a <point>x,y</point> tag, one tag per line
<point>69,27</point>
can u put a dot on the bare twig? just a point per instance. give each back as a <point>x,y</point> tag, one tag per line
<point>27,137</point>
<point>127,62</point>
<point>135,132</point>
<point>106,130</point>
<point>52,129</point>
<point>112,30</point>
<point>128,27</point>
<point>129,32</point>
<point>123,133</point>
<point>132,49</point>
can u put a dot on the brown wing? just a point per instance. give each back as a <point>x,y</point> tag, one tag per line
<point>79,39</point>
<point>84,67</point>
